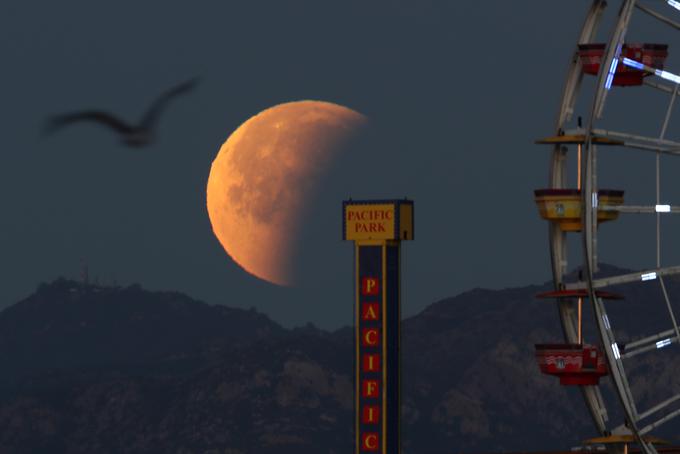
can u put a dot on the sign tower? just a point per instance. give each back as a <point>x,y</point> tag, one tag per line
<point>377,228</point>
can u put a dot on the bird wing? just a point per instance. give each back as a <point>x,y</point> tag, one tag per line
<point>59,121</point>
<point>159,104</point>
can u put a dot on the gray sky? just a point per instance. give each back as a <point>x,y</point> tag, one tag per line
<point>456,92</point>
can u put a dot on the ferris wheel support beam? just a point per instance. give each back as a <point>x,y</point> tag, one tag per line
<point>611,59</point>
<point>593,205</point>
<point>558,240</point>
<point>589,207</point>
<point>669,307</point>
<point>616,369</point>
<point>575,75</point>
<point>558,167</point>
<point>667,118</point>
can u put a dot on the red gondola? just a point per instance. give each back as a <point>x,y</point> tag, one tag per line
<point>653,55</point>
<point>574,364</point>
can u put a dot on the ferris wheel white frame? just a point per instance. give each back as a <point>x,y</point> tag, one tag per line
<point>634,420</point>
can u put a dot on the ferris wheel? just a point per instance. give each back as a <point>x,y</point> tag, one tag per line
<point>578,210</point>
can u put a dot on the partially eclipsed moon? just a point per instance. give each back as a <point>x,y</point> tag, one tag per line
<point>263,176</point>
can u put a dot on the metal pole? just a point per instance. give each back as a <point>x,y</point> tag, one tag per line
<point>578,184</point>
<point>580,321</point>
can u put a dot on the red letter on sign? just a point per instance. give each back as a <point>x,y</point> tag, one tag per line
<point>370,414</point>
<point>370,286</point>
<point>369,441</point>
<point>370,311</point>
<point>370,337</point>
<point>371,363</point>
<point>369,388</point>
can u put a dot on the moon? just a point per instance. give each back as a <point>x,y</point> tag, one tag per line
<point>264,175</point>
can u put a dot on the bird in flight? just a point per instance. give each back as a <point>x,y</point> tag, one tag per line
<point>132,135</point>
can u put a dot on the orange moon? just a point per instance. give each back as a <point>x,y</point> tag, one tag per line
<point>263,176</point>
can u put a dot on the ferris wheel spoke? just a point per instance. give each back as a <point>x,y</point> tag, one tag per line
<point>639,209</point>
<point>674,3</point>
<point>664,342</point>
<point>660,339</point>
<point>657,423</point>
<point>658,86</point>
<point>662,144</point>
<point>659,407</point>
<point>669,76</point>
<point>626,278</point>
<point>655,148</point>
<point>658,16</point>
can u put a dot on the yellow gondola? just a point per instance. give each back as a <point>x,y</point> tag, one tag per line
<point>564,206</point>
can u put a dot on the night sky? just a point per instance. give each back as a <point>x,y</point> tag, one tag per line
<point>455,92</point>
